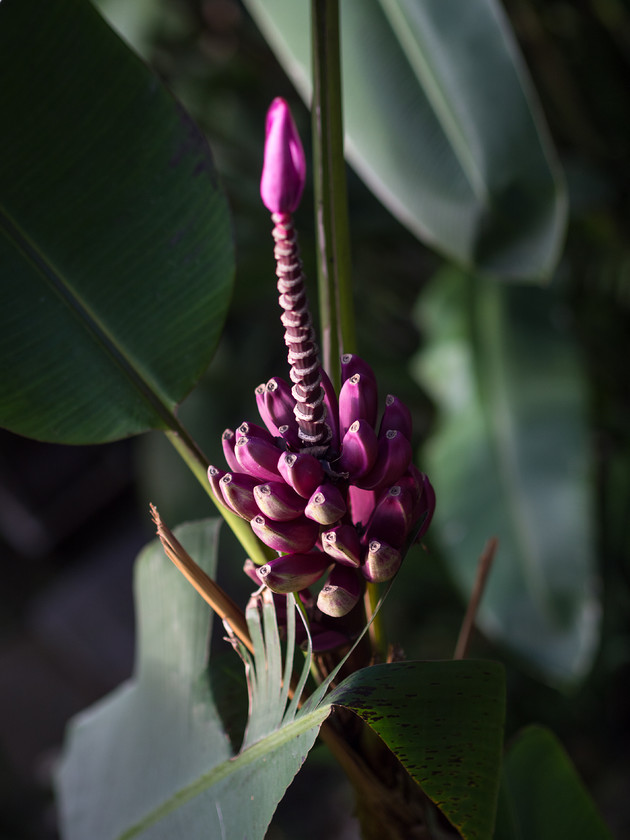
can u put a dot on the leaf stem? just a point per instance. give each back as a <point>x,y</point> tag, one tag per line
<point>483,569</point>
<point>198,464</point>
<point>331,201</point>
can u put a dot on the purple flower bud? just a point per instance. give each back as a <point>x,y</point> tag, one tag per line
<point>332,410</point>
<point>325,640</point>
<point>238,494</point>
<point>293,572</point>
<point>343,545</point>
<point>284,168</point>
<point>228,441</point>
<point>362,503</point>
<point>359,449</point>
<point>391,519</point>
<point>357,401</point>
<point>301,471</point>
<point>396,417</point>
<point>257,457</point>
<point>326,505</point>
<point>297,535</point>
<point>278,501</point>
<point>381,562</point>
<point>394,456</point>
<point>341,592</point>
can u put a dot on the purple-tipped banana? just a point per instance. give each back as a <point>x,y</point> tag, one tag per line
<point>343,545</point>
<point>279,404</point>
<point>362,503</point>
<point>326,505</point>
<point>257,457</point>
<point>332,410</point>
<point>394,456</point>
<point>392,518</point>
<point>278,501</point>
<point>341,591</point>
<point>301,471</point>
<point>359,450</point>
<point>297,535</point>
<point>252,430</point>
<point>290,436</point>
<point>351,364</point>
<point>358,400</point>
<point>228,441</point>
<point>214,477</point>
<point>381,562</point>
<point>293,572</point>
<point>396,417</point>
<point>238,494</point>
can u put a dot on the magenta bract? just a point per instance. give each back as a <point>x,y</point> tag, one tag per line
<point>284,168</point>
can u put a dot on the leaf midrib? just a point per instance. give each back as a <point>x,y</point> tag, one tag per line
<point>55,281</point>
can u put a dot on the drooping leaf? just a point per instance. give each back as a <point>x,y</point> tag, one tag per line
<point>510,458</point>
<point>442,124</point>
<point>542,795</point>
<point>152,759</point>
<point>444,722</point>
<point>115,249</point>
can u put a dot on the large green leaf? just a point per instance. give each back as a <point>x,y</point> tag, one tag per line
<point>115,249</point>
<point>510,458</point>
<point>153,760</point>
<point>444,722</point>
<point>542,795</point>
<point>442,124</point>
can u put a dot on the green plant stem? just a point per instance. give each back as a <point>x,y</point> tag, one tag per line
<point>331,200</point>
<point>198,464</point>
<point>331,210</point>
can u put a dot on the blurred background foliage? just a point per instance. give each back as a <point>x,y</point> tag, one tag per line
<point>215,61</point>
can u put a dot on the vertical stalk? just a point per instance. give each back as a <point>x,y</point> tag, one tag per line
<point>198,464</point>
<point>331,202</point>
<point>331,210</point>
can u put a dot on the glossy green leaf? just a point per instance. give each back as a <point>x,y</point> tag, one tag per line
<point>444,722</point>
<point>442,124</point>
<point>542,795</point>
<point>152,760</point>
<point>115,248</point>
<point>510,458</point>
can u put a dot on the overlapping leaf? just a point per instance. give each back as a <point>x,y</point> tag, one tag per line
<point>510,458</point>
<point>115,249</point>
<point>153,761</point>
<point>442,124</point>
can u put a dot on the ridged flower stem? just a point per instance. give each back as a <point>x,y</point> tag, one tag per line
<point>299,336</point>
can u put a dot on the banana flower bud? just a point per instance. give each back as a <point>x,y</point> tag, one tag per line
<point>228,442</point>
<point>358,400</point>
<point>359,449</point>
<point>343,545</point>
<point>238,493</point>
<point>284,168</point>
<point>278,501</point>
<point>296,535</point>
<point>391,520</point>
<point>326,505</point>
<point>293,572</point>
<point>257,457</point>
<point>396,416</point>
<point>341,592</point>
<point>381,562</point>
<point>301,471</point>
<point>392,460</point>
